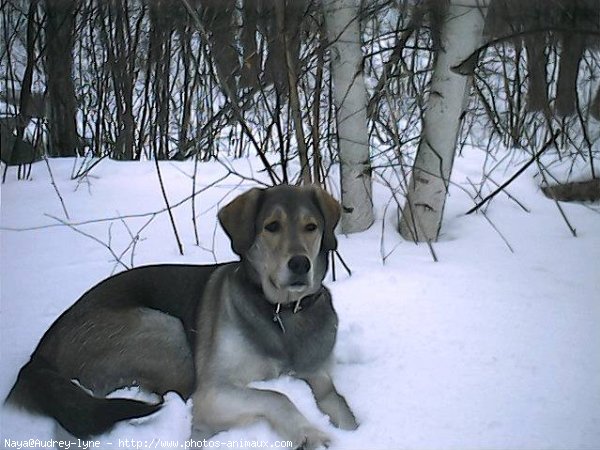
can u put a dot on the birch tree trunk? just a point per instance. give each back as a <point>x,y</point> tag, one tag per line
<point>461,35</point>
<point>350,97</point>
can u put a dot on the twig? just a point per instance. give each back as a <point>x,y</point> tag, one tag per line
<point>385,256</point>
<point>336,253</point>
<point>232,100</point>
<point>84,171</point>
<point>294,101</point>
<point>586,136</point>
<point>380,178</point>
<point>523,207</point>
<point>62,202</point>
<point>333,274</point>
<point>194,222</point>
<point>431,250</point>
<point>213,239</point>
<point>542,171</point>
<point>477,194</point>
<point>128,216</point>
<point>546,146</point>
<point>134,239</point>
<point>170,212</point>
<point>467,66</point>
<point>94,238</point>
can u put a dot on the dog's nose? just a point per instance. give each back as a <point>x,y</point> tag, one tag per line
<point>299,264</point>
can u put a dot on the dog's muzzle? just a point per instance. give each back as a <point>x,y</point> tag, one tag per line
<point>299,267</point>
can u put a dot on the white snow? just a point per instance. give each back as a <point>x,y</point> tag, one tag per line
<point>484,349</point>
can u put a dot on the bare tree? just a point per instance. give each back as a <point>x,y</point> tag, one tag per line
<point>60,26</point>
<point>350,97</point>
<point>121,42</point>
<point>461,35</point>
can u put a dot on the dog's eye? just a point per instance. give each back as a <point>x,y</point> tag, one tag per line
<point>273,227</point>
<point>311,227</point>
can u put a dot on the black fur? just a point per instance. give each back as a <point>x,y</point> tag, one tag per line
<point>41,388</point>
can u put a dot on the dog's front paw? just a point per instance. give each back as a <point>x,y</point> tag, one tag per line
<point>345,422</point>
<point>340,414</point>
<point>313,438</point>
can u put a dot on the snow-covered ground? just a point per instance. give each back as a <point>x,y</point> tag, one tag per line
<point>485,349</point>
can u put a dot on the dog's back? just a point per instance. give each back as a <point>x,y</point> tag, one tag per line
<point>134,328</point>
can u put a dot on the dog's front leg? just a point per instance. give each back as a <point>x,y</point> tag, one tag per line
<point>222,407</point>
<point>329,401</point>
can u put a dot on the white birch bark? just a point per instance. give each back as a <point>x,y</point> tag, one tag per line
<point>350,97</point>
<point>461,34</point>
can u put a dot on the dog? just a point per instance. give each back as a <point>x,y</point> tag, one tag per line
<point>205,332</point>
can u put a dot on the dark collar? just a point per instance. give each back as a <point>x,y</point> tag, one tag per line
<point>245,272</point>
<point>301,305</point>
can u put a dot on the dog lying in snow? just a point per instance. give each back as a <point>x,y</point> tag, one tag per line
<point>205,332</point>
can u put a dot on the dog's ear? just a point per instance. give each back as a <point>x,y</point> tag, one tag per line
<point>238,220</point>
<point>331,210</point>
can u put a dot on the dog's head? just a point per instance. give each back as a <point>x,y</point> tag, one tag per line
<point>284,233</point>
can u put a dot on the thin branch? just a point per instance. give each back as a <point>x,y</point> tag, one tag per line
<point>127,216</point>
<point>542,171</point>
<point>546,146</point>
<point>521,205</point>
<point>168,206</point>
<point>467,66</point>
<point>94,238</point>
<point>62,202</point>
<point>336,253</point>
<point>477,194</point>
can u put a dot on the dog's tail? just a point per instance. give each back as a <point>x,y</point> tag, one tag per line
<point>40,388</point>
